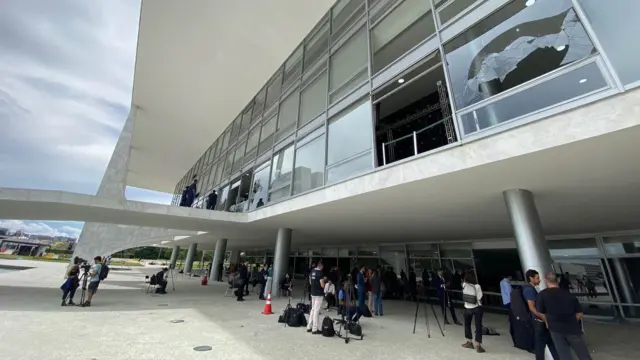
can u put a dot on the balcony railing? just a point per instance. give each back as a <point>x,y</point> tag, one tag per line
<point>435,134</point>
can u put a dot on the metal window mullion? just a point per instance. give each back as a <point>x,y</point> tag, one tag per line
<point>612,285</point>
<point>582,16</point>
<point>447,78</point>
<point>326,118</point>
<point>350,78</point>
<point>384,14</point>
<point>415,78</point>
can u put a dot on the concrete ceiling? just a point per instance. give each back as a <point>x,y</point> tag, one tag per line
<point>199,63</point>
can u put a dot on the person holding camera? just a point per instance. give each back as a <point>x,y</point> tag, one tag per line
<point>94,279</point>
<point>71,284</point>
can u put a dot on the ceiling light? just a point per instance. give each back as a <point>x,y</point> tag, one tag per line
<point>582,81</point>
<point>517,29</point>
<point>530,2</point>
<point>400,81</point>
<point>561,47</point>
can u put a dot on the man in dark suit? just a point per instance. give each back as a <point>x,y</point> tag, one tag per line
<point>243,278</point>
<point>442,290</point>
<point>161,281</point>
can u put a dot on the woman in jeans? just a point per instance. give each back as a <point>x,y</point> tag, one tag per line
<point>472,296</point>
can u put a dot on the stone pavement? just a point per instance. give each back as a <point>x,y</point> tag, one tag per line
<point>125,323</point>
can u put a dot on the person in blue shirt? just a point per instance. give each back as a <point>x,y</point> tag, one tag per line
<point>505,291</point>
<point>94,280</point>
<point>361,287</point>
<point>542,337</point>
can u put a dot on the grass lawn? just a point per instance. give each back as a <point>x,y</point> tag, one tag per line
<point>35,258</point>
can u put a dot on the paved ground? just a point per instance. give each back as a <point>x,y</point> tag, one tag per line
<point>125,323</point>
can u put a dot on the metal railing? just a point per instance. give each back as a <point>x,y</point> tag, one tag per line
<point>414,136</point>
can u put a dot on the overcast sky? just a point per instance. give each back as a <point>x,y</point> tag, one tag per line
<point>66,73</point>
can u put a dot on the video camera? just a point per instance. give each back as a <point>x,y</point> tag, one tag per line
<point>85,267</point>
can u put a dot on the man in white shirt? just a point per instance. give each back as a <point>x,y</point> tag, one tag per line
<point>329,293</point>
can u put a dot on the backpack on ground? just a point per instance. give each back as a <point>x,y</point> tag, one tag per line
<point>489,331</point>
<point>327,327</point>
<point>294,317</point>
<point>305,308</point>
<point>104,272</point>
<point>354,328</point>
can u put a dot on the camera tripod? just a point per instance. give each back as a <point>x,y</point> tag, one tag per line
<point>426,316</point>
<point>83,294</point>
<point>346,322</point>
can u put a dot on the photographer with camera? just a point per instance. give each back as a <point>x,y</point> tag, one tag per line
<point>96,275</point>
<point>71,284</point>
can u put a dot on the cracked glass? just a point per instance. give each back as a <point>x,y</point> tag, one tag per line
<point>518,43</point>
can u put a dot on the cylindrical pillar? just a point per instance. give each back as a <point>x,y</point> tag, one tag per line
<point>281,256</point>
<point>530,240</point>
<point>174,257</point>
<point>188,262</point>
<point>218,259</point>
<point>234,257</point>
<point>532,245</point>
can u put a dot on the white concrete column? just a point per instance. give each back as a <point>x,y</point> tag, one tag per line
<point>218,258</point>
<point>234,257</point>
<point>174,257</point>
<point>188,262</point>
<point>281,256</point>
<point>532,245</point>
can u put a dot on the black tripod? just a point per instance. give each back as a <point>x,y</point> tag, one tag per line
<point>84,278</point>
<point>426,316</point>
<point>346,322</point>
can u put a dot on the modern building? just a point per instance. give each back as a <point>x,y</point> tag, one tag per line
<point>486,135</point>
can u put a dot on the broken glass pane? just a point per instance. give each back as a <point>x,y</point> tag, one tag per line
<point>518,43</point>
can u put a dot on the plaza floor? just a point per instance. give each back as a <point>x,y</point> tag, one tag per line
<point>125,323</point>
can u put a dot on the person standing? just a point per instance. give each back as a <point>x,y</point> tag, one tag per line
<point>269,281</point>
<point>472,297</point>
<point>71,284</point>
<point>361,285</point>
<point>316,281</point>
<point>212,200</point>
<point>562,313</point>
<point>542,338</point>
<point>440,284</point>
<point>243,277</point>
<point>505,292</point>
<point>94,280</point>
<point>376,290</point>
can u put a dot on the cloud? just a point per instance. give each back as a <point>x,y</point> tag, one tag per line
<point>66,74</point>
<point>51,228</point>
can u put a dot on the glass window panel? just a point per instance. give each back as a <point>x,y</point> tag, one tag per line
<point>573,247</point>
<point>288,115</point>
<point>266,136</point>
<point>405,27</point>
<point>393,258</point>
<point>574,84</point>
<point>228,163</point>
<point>316,47</point>
<point>622,245</point>
<point>514,45</point>
<point>453,9</point>
<point>258,103</point>
<point>223,194</point>
<point>235,130</point>
<point>279,194</point>
<point>239,156</point>
<point>344,14</point>
<point>347,169</point>
<point>274,89</point>
<point>292,68</point>
<point>610,22</point>
<point>585,280</point>
<point>309,170</point>
<point>349,59</point>
<point>313,100</point>
<point>246,119</point>
<point>212,175</point>
<point>282,165</point>
<point>225,141</point>
<point>252,143</point>
<point>219,172</point>
<point>422,250</point>
<point>348,87</point>
<point>260,187</point>
<point>350,134</point>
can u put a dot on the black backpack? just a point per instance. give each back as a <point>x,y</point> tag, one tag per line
<point>305,308</point>
<point>355,329</point>
<point>327,327</point>
<point>104,271</point>
<point>519,307</point>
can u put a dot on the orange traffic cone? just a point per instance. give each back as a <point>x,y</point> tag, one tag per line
<point>267,306</point>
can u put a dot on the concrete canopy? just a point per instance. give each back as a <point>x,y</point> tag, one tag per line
<point>199,62</point>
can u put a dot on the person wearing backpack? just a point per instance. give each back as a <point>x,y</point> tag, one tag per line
<point>472,297</point>
<point>94,279</point>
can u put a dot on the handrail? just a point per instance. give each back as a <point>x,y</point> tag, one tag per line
<point>415,139</point>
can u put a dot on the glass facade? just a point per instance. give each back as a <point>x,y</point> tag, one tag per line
<point>388,80</point>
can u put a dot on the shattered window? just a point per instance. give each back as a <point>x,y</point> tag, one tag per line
<point>518,43</point>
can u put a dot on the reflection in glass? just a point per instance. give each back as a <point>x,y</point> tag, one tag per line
<point>246,119</point>
<point>348,60</point>
<point>584,278</point>
<point>309,170</point>
<point>274,89</point>
<point>622,245</point>
<point>573,247</point>
<point>288,115</point>
<point>313,100</point>
<point>223,194</point>
<point>350,134</point>
<point>266,136</point>
<point>252,144</point>
<point>610,22</point>
<point>576,83</point>
<point>282,165</point>
<point>260,187</point>
<point>235,127</point>
<point>452,9</point>
<point>516,44</point>
<point>316,47</point>
<point>344,14</point>
<point>405,27</point>
<point>350,168</point>
<point>228,164</point>
<point>239,156</point>
<point>394,258</point>
<point>258,103</point>
<point>292,68</point>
